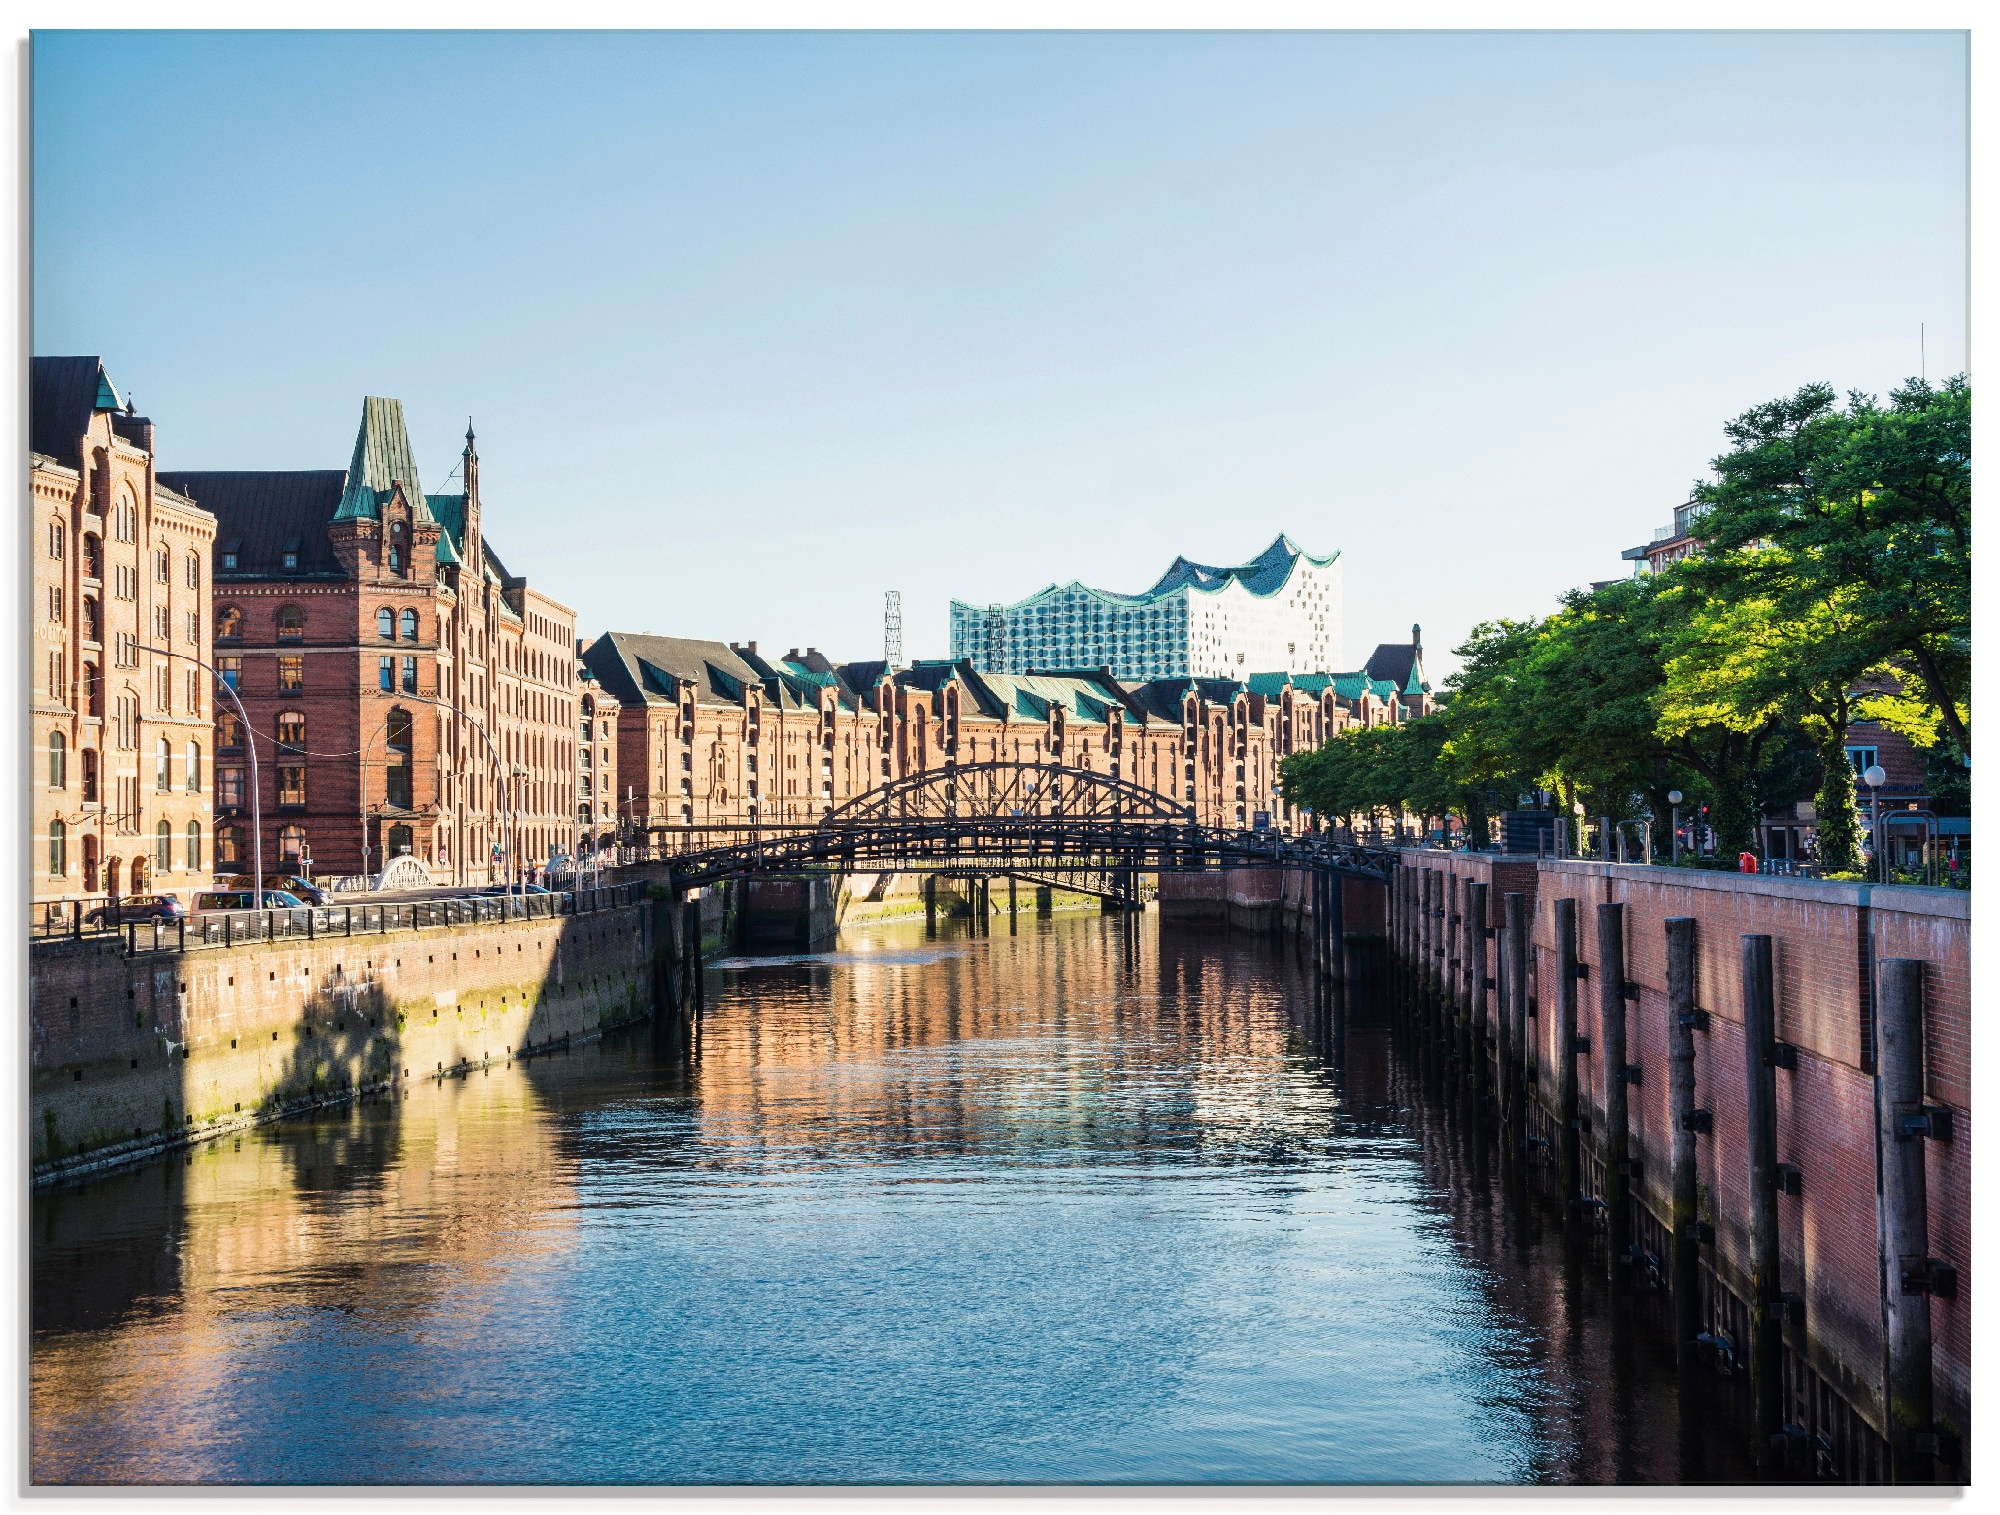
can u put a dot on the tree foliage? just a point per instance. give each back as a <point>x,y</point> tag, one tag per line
<point>1833,584</point>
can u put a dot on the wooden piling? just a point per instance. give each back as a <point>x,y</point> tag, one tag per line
<point>1566,1053</point>
<point>1684,1269</point>
<point>1516,1011</point>
<point>1454,927</point>
<point>1766,1360</point>
<point>1475,932</point>
<point>1617,1075</point>
<point>1336,934</point>
<point>1906,1306</point>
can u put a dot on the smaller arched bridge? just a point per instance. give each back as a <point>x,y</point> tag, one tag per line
<point>1028,818</point>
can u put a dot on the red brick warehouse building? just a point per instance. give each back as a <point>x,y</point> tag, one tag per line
<point>402,687</point>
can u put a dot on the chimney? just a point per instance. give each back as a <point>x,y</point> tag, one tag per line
<point>792,656</point>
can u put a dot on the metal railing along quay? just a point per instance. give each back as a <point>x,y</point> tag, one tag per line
<point>233,928</point>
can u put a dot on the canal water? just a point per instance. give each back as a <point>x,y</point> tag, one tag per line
<point>1073,1205</point>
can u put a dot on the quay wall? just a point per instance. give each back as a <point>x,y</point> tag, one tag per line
<point>1826,940</point>
<point>132,1055</point>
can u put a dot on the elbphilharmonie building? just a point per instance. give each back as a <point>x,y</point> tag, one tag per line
<point>1279,612</point>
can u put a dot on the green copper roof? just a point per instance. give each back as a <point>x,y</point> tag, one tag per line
<point>1263,577</point>
<point>448,510</point>
<point>383,459</point>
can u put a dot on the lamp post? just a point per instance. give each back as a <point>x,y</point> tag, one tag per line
<point>1873,776</point>
<point>256,789</point>
<point>1674,799</point>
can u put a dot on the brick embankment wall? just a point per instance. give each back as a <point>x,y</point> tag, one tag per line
<point>1826,938</point>
<point>131,1056</point>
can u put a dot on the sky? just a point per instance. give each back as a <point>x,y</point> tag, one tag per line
<point>756,327</point>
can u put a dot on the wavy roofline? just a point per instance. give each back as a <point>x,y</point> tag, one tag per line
<point>1155,595</point>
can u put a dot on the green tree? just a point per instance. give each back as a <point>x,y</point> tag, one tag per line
<point>1870,507</point>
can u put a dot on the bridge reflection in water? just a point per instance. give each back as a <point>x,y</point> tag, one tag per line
<point>1077,1204</point>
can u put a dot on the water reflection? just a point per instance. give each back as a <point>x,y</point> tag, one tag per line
<point>1073,1204</point>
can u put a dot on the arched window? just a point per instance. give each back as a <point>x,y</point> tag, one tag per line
<point>90,775</point>
<point>228,848</point>
<point>89,863</point>
<point>93,691</point>
<point>401,839</point>
<point>58,849</point>
<point>400,729</point>
<point>291,845</point>
<point>228,623</point>
<point>194,846</point>
<point>409,625</point>
<point>385,624</point>
<point>396,561</point>
<point>93,619</point>
<point>127,519</point>
<point>163,767</point>
<point>228,731</point>
<point>163,567</point>
<point>194,767</point>
<point>93,556</point>
<point>58,760</point>
<point>163,847</point>
<point>291,623</point>
<point>192,571</point>
<point>56,538</point>
<point>292,729</point>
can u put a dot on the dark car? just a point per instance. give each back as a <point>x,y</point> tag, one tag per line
<point>290,883</point>
<point>137,907</point>
<point>515,889</point>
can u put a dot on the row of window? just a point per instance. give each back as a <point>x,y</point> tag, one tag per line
<point>291,624</point>
<point>163,851</point>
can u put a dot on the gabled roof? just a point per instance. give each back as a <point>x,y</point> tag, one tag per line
<point>383,459</point>
<point>258,515</point>
<point>1401,663</point>
<point>63,394</point>
<point>636,667</point>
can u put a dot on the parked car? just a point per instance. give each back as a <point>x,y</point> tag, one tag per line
<point>244,899</point>
<point>515,889</point>
<point>291,883</point>
<point>138,907</point>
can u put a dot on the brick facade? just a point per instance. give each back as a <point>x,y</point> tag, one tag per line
<point>120,705</point>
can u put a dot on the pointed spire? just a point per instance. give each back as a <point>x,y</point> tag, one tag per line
<point>383,460</point>
<point>470,450</point>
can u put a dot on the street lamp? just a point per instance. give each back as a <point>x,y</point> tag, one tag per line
<point>1874,776</point>
<point>1674,799</point>
<point>256,790</point>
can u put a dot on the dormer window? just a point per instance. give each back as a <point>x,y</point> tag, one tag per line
<point>229,553</point>
<point>289,558</point>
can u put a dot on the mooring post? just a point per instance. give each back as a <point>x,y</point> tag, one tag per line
<point>1767,1308</point>
<point>1336,934</point>
<point>1906,1269</point>
<point>1566,1052</point>
<point>1013,909</point>
<point>691,953</point>
<point>1618,1076</point>
<point>1454,926</point>
<point>930,904</point>
<point>1475,975</point>
<point>1516,1011</point>
<point>1684,1273</point>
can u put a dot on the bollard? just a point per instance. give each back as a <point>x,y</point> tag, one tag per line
<point>1617,1076</point>
<point>1766,1309</point>
<point>1906,1305</point>
<point>1566,1054</point>
<point>1684,1277</point>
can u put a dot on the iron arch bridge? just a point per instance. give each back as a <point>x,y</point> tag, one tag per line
<point>1026,818</point>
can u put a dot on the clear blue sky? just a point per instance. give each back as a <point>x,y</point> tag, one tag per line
<point>756,326</point>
